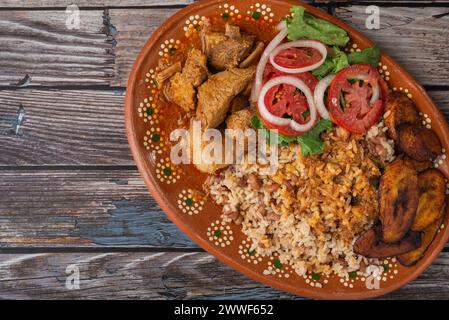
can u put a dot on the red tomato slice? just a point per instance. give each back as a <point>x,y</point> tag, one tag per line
<point>358,114</point>
<point>298,57</point>
<point>270,73</point>
<point>285,100</point>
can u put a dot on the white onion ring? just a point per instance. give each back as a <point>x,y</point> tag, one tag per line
<point>281,25</point>
<point>299,44</point>
<point>282,121</point>
<point>318,95</point>
<point>264,60</point>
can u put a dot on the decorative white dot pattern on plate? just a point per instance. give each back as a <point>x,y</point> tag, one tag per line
<point>189,203</point>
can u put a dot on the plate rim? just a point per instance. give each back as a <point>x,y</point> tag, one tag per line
<point>170,211</point>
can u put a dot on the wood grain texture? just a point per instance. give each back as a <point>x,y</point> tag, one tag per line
<point>79,208</point>
<point>103,50</point>
<point>76,127</point>
<point>126,276</point>
<point>162,275</point>
<point>91,3</point>
<point>97,3</point>
<point>134,27</point>
<point>74,208</point>
<point>158,3</point>
<point>64,127</point>
<point>441,99</point>
<point>38,43</point>
<point>102,203</point>
<point>416,38</point>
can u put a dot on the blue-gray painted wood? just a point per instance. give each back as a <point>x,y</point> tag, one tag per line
<point>65,208</point>
<point>135,223</point>
<point>162,275</point>
<point>91,208</point>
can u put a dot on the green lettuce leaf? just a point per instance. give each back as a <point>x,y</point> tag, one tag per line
<point>339,60</point>
<point>334,63</point>
<point>257,124</point>
<point>370,56</point>
<point>325,69</point>
<point>311,142</point>
<point>305,26</point>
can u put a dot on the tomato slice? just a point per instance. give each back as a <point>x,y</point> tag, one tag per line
<point>349,98</point>
<point>298,57</point>
<point>287,101</point>
<point>271,72</point>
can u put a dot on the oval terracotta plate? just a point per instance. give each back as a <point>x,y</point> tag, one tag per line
<point>149,122</point>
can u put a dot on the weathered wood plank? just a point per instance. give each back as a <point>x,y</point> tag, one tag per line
<point>65,127</point>
<point>71,127</point>
<point>161,275</point>
<point>134,27</point>
<point>39,43</point>
<point>102,52</point>
<point>126,276</point>
<point>91,3</point>
<point>441,99</point>
<point>97,3</point>
<point>80,208</point>
<point>416,38</point>
<point>74,208</point>
<point>150,3</point>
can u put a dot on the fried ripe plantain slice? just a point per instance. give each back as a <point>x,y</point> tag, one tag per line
<point>398,200</point>
<point>370,245</point>
<point>419,166</point>
<point>418,142</point>
<point>432,193</point>
<point>400,110</point>
<point>427,236</point>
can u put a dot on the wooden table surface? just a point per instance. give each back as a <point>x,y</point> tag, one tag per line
<point>70,193</point>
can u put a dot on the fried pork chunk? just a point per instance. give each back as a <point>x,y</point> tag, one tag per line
<point>195,69</point>
<point>207,162</point>
<point>239,103</point>
<point>181,87</point>
<point>240,120</point>
<point>226,50</point>
<point>181,92</point>
<point>216,94</point>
